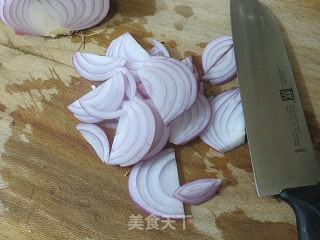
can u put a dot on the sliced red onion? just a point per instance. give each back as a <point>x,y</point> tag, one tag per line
<point>126,47</point>
<point>170,84</point>
<point>226,129</point>
<point>108,97</point>
<point>201,87</point>
<point>134,134</point>
<point>218,61</point>
<point>130,83</point>
<point>198,191</point>
<point>152,184</point>
<point>142,91</point>
<point>52,17</point>
<point>161,133</point>
<point>101,114</point>
<point>159,49</point>
<point>97,138</point>
<point>189,62</point>
<point>191,123</point>
<point>96,68</point>
<point>111,124</point>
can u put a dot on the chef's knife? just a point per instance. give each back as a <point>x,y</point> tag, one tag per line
<point>281,150</point>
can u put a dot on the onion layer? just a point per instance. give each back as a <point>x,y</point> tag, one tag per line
<point>218,61</point>
<point>52,17</point>
<point>96,68</point>
<point>170,84</point>
<point>134,134</point>
<point>191,123</point>
<point>189,62</point>
<point>107,98</point>
<point>97,138</point>
<point>226,129</point>
<point>161,133</point>
<point>159,49</point>
<point>152,184</point>
<point>126,47</point>
<point>198,191</point>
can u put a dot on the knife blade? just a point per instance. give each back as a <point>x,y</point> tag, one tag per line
<point>281,149</point>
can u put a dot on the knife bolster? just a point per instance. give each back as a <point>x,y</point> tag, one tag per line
<point>305,202</point>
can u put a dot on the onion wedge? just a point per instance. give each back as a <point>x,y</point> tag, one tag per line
<point>198,191</point>
<point>97,138</point>
<point>226,129</point>
<point>134,134</point>
<point>152,184</point>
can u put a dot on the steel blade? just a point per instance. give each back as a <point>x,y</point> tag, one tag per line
<point>281,150</point>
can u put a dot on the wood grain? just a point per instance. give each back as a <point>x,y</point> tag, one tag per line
<point>52,186</point>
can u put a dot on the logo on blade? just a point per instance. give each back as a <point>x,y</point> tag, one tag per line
<point>286,94</point>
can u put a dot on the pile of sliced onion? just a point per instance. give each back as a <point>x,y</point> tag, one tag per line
<point>218,61</point>
<point>52,17</point>
<point>226,129</point>
<point>150,98</point>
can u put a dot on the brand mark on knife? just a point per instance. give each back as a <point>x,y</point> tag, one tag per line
<point>282,76</point>
<point>287,94</point>
<point>295,129</point>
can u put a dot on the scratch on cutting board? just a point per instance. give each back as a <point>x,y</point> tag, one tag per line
<point>2,208</point>
<point>3,185</point>
<point>24,138</point>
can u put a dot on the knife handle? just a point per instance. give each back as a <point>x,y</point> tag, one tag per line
<point>305,202</point>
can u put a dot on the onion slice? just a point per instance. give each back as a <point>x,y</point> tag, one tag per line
<point>126,47</point>
<point>218,61</point>
<point>96,68</point>
<point>106,98</point>
<point>226,129</point>
<point>152,184</point>
<point>170,84</point>
<point>159,49</point>
<point>134,134</point>
<point>161,133</point>
<point>198,191</point>
<point>97,138</point>
<point>52,17</point>
<point>191,123</point>
<point>189,62</point>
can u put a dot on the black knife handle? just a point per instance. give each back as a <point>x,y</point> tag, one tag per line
<point>305,202</point>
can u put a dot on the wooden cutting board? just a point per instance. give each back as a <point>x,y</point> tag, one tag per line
<point>52,186</point>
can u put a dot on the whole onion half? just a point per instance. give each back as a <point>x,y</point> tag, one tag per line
<point>191,123</point>
<point>226,129</point>
<point>106,98</point>
<point>134,135</point>
<point>97,138</point>
<point>52,17</point>
<point>152,184</point>
<point>198,191</point>
<point>218,61</point>
<point>170,84</point>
